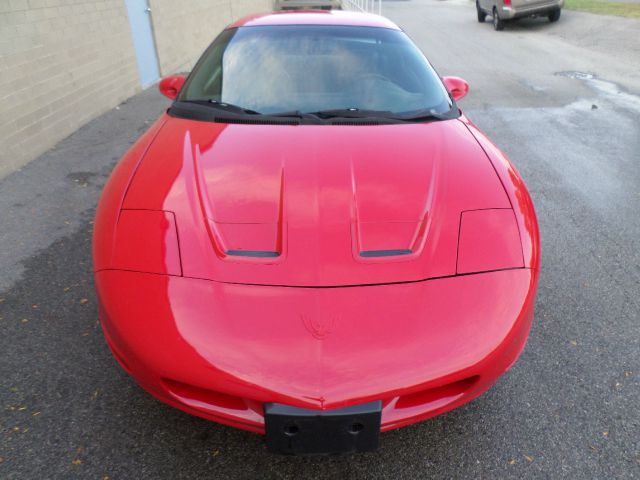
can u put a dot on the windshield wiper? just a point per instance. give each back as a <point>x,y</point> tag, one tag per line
<point>322,115</point>
<point>425,115</point>
<point>351,113</point>
<point>417,116</point>
<point>224,106</point>
<point>236,109</point>
<point>291,114</point>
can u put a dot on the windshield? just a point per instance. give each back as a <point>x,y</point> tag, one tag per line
<point>312,68</point>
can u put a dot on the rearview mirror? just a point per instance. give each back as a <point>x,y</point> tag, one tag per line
<point>170,86</point>
<point>457,87</point>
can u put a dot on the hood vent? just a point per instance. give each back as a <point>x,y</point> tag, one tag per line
<point>252,253</point>
<point>356,122</point>
<point>385,253</point>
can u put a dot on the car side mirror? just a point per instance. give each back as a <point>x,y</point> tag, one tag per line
<point>170,86</point>
<point>457,87</point>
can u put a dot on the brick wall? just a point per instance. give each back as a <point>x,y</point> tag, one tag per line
<point>183,33</point>
<point>64,62</point>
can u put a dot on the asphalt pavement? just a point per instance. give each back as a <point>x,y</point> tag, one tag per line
<point>562,100</point>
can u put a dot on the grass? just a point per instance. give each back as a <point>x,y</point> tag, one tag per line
<point>608,8</point>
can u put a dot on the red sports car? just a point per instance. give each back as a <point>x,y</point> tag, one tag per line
<point>313,242</point>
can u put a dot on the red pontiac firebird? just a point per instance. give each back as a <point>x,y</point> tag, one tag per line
<point>313,242</point>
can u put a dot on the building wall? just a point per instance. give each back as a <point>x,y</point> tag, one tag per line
<point>64,62</point>
<point>61,64</point>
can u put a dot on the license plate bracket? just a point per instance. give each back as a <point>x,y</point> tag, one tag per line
<point>301,431</point>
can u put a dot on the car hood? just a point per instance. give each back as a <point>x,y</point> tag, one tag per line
<point>316,205</point>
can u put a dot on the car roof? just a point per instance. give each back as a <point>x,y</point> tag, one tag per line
<point>316,17</point>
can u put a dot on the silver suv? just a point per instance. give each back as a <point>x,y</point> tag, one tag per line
<point>307,4</point>
<point>503,10</point>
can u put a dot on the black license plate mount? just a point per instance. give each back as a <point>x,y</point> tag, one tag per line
<point>301,431</point>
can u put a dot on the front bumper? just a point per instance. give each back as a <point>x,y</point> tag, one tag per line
<point>223,351</point>
<point>511,12</point>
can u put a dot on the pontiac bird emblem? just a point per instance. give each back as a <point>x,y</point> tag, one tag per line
<point>319,325</point>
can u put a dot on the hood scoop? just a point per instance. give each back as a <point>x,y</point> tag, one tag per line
<point>391,205</point>
<point>252,241</point>
<point>244,204</point>
<point>252,253</point>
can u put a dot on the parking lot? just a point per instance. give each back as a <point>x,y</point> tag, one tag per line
<point>562,100</point>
